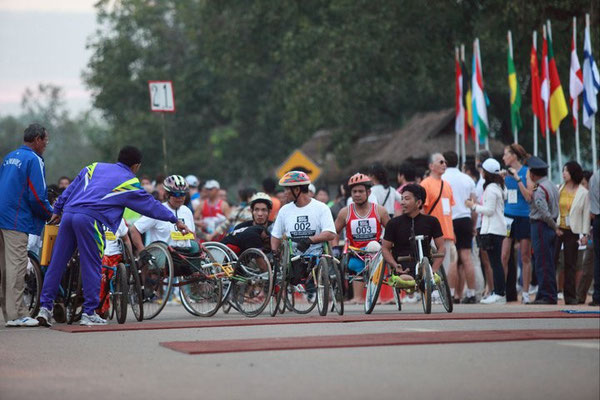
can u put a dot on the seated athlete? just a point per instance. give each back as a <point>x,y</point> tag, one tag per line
<point>113,255</point>
<point>176,188</point>
<point>252,234</point>
<point>364,222</point>
<point>396,240</point>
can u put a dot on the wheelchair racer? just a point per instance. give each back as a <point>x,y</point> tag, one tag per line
<point>113,255</point>
<point>363,222</point>
<point>398,233</point>
<point>255,233</point>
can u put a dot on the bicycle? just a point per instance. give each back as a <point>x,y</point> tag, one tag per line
<point>370,274</point>
<point>116,293</point>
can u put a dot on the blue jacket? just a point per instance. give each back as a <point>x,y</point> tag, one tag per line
<point>24,205</point>
<point>103,190</point>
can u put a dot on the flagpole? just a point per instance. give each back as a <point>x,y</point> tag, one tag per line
<point>575,110</point>
<point>473,73</point>
<point>594,149</point>
<point>510,50</point>
<point>558,146</point>
<point>548,154</point>
<point>463,146</point>
<point>457,136</point>
<point>535,126</point>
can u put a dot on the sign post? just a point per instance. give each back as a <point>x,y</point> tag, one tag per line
<point>162,100</point>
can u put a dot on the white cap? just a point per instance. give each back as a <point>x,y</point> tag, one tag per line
<point>491,165</point>
<point>192,181</point>
<point>212,184</point>
<point>311,188</point>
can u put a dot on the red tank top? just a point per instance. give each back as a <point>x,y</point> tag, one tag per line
<point>209,210</point>
<point>362,230</point>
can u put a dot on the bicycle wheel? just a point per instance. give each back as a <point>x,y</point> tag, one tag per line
<point>33,285</point>
<point>336,285</point>
<point>203,296</point>
<point>156,275</point>
<point>134,291</point>
<point>322,274</point>
<point>119,296</point>
<point>374,281</point>
<point>223,255</point>
<point>427,286</point>
<point>252,283</point>
<point>397,299</point>
<point>444,290</point>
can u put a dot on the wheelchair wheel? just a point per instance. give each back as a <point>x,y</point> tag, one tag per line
<point>223,255</point>
<point>444,290</point>
<point>280,277</point>
<point>336,288</point>
<point>157,279</point>
<point>74,292</point>
<point>374,282</point>
<point>397,299</point>
<point>252,283</point>
<point>322,274</point>
<point>119,296</point>
<point>203,297</point>
<point>426,285</point>
<point>134,283</point>
<point>33,285</point>
<point>302,298</point>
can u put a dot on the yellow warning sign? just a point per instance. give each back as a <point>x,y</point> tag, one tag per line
<point>299,161</point>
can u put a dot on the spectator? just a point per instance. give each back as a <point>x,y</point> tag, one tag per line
<point>223,194</point>
<point>463,218</point>
<point>573,221</point>
<point>470,169</point>
<point>311,190</point>
<point>63,182</point>
<point>405,175</point>
<point>268,185</point>
<point>24,208</point>
<point>159,191</point>
<point>486,267</point>
<point>584,276</point>
<point>323,196</point>
<point>341,199</point>
<point>542,215</point>
<point>385,195</point>
<point>594,194</point>
<point>193,183</point>
<point>146,183</point>
<point>493,226</point>
<point>212,210</point>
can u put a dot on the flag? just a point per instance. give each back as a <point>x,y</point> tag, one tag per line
<point>460,109</point>
<point>537,106</point>
<point>545,85</point>
<point>557,109</point>
<point>591,82</point>
<point>480,120</point>
<point>575,83</point>
<point>467,102</point>
<point>515,96</point>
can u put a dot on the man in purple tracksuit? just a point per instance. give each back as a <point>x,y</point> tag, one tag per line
<point>96,197</point>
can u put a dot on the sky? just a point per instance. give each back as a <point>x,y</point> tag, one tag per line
<point>43,41</point>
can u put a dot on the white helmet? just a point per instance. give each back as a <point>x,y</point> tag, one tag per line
<point>261,197</point>
<point>372,247</point>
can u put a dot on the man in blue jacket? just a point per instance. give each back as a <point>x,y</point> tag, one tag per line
<point>96,197</point>
<point>23,209</point>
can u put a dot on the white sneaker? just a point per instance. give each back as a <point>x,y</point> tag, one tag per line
<point>533,289</point>
<point>25,321</point>
<point>91,320</point>
<point>44,317</point>
<point>525,298</point>
<point>411,299</point>
<point>435,297</point>
<point>494,299</point>
<point>560,296</point>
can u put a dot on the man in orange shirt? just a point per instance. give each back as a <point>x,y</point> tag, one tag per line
<point>269,188</point>
<point>439,204</point>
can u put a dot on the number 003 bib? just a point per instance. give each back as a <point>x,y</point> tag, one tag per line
<point>360,231</point>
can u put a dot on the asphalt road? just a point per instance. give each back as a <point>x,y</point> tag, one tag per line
<point>49,364</point>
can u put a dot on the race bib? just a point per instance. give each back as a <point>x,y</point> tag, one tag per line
<point>508,221</point>
<point>302,227</point>
<point>180,236</point>
<point>446,205</point>
<point>109,235</point>
<point>363,229</point>
<point>512,196</point>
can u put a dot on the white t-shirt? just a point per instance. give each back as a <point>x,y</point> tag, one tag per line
<point>164,231</point>
<point>381,193</point>
<point>112,239</point>
<point>479,197</point>
<point>462,188</point>
<point>302,222</point>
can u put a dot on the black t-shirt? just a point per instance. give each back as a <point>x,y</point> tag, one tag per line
<point>398,231</point>
<point>248,237</point>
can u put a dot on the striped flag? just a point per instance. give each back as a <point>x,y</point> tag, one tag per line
<point>480,119</point>
<point>515,95</point>
<point>557,109</point>
<point>575,82</point>
<point>545,85</point>
<point>537,106</point>
<point>460,109</point>
<point>591,82</point>
<point>467,102</point>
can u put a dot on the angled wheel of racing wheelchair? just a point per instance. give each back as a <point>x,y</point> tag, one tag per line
<point>33,284</point>
<point>156,274</point>
<point>134,282</point>
<point>374,282</point>
<point>280,277</point>
<point>222,255</point>
<point>252,283</point>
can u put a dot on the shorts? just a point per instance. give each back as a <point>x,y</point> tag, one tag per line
<point>355,264</point>
<point>520,228</point>
<point>463,231</point>
<point>450,257</point>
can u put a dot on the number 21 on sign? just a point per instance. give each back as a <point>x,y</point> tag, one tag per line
<point>162,98</point>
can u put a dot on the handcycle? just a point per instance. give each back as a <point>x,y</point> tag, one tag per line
<point>306,281</point>
<point>426,282</point>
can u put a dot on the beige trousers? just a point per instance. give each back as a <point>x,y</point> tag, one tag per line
<point>13,266</point>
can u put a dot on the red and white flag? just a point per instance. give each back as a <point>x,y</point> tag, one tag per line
<point>575,82</point>
<point>545,85</point>
<point>459,127</point>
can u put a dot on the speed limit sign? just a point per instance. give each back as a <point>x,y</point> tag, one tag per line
<point>162,98</point>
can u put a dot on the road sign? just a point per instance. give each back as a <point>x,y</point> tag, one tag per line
<point>299,161</point>
<point>162,98</point>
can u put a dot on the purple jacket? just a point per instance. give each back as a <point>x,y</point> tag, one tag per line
<point>103,190</point>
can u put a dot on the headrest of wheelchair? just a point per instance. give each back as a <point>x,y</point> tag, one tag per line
<point>373,247</point>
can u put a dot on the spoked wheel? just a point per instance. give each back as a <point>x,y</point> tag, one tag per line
<point>444,290</point>
<point>336,285</point>
<point>426,286</point>
<point>119,296</point>
<point>203,297</point>
<point>280,278</point>
<point>397,299</point>
<point>252,283</point>
<point>374,282</point>
<point>302,298</point>
<point>157,279</point>
<point>74,292</point>
<point>33,285</point>
<point>134,283</point>
<point>322,274</point>
<point>222,255</point>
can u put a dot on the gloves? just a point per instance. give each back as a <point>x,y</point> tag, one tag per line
<point>145,257</point>
<point>303,244</point>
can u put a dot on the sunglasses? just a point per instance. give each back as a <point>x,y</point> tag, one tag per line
<point>178,194</point>
<point>442,161</point>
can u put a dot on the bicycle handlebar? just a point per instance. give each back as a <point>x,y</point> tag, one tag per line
<point>411,258</point>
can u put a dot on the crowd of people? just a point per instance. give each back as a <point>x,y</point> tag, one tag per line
<point>502,229</point>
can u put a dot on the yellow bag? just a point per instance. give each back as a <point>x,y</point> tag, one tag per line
<point>50,233</point>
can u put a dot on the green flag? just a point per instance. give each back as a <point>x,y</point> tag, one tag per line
<point>515,96</point>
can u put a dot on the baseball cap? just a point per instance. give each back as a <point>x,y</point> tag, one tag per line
<point>212,184</point>
<point>192,180</point>
<point>491,165</point>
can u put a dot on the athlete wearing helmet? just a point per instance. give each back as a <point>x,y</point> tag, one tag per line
<point>176,189</point>
<point>306,220</point>
<point>363,222</point>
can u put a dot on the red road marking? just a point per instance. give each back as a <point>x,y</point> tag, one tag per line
<point>376,339</point>
<point>314,319</point>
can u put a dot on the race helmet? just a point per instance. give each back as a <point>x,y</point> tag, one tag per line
<point>175,185</point>
<point>295,178</point>
<point>261,197</point>
<point>359,179</point>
